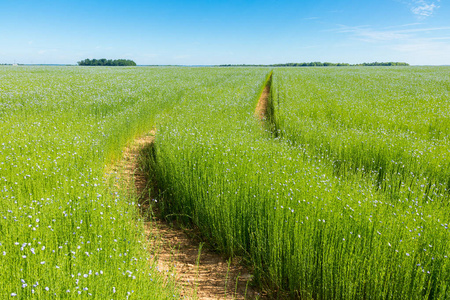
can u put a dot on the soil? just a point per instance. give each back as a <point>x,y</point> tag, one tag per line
<point>263,103</point>
<point>207,275</point>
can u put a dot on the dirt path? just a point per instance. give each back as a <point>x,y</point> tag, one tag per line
<point>263,102</point>
<point>205,276</point>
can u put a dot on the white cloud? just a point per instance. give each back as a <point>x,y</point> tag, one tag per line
<point>440,38</point>
<point>423,8</point>
<point>422,45</point>
<point>403,25</point>
<point>425,51</point>
<point>368,34</point>
<point>425,29</point>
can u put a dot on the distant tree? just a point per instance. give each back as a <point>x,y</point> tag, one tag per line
<point>106,62</point>
<point>323,64</point>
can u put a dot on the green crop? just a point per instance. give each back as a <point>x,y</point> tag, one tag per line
<point>303,227</point>
<point>393,124</point>
<point>66,229</point>
<point>344,196</point>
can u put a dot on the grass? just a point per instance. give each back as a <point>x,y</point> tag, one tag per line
<point>302,227</point>
<point>66,229</point>
<point>308,208</point>
<point>390,123</point>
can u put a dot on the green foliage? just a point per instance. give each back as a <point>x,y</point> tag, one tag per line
<point>326,64</point>
<point>392,124</point>
<point>67,229</point>
<point>106,62</point>
<point>310,211</point>
<point>280,204</point>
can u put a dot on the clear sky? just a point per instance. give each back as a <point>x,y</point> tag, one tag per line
<point>225,32</point>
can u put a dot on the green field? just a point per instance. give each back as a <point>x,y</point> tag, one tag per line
<point>344,194</point>
<point>65,230</point>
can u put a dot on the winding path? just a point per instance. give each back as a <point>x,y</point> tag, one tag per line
<point>202,273</point>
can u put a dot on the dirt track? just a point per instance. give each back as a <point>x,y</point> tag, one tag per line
<point>263,102</point>
<point>201,272</point>
<point>212,277</point>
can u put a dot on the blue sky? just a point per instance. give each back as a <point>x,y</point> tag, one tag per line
<point>225,32</point>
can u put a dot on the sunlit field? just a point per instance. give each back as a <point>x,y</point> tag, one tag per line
<point>343,196</point>
<point>392,123</point>
<point>67,231</point>
<point>358,210</point>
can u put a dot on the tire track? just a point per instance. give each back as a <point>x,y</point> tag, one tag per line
<point>201,272</point>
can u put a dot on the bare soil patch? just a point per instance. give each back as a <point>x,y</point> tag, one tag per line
<point>202,273</point>
<point>263,102</point>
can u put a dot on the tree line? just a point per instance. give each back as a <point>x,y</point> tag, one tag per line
<point>106,62</point>
<point>325,64</point>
